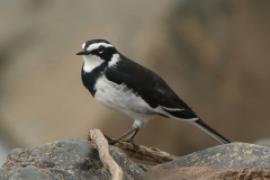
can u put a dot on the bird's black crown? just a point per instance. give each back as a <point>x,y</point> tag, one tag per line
<point>98,47</point>
<point>95,41</point>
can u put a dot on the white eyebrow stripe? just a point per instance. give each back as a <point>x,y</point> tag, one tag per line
<point>83,45</point>
<point>97,45</point>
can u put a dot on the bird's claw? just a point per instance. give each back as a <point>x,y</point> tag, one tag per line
<point>112,141</point>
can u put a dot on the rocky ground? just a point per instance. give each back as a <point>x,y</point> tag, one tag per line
<point>78,159</point>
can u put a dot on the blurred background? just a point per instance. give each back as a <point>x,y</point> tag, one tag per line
<point>214,53</point>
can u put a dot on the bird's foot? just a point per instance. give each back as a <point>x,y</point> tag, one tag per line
<point>112,141</point>
<point>127,137</point>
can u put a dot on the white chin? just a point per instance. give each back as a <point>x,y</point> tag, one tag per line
<point>91,62</point>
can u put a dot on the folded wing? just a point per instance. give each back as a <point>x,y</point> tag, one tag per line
<point>150,87</point>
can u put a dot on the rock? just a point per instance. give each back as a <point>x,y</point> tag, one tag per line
<point>219,162</point>
<point>2,177</point>
<point>234,155</point>
<point>77,159</point>
<point>66,159</point>
<point>263,142</point>
<point>206,173</point>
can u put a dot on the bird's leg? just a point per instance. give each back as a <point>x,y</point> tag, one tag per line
<point>133,135</point>
<point>137,124</point>
<point>129,132</point>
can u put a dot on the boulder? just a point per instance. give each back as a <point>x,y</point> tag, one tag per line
<point>207,173</point>
<point>233,160</point>
<point>65,159</point>
<point>78,159</point>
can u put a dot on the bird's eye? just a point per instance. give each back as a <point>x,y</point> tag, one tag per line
<point>101,51</point>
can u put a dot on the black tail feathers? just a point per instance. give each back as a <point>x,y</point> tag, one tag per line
<point>190,116</point>
<point>206,128</point>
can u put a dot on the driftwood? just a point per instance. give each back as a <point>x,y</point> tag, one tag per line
<point>149,155</point>
<point>97,139</point>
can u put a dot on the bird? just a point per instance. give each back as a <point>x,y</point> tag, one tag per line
<point>128,87</point>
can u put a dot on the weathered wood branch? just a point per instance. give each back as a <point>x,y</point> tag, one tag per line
<point>99,141</point>
<point>148,155</point>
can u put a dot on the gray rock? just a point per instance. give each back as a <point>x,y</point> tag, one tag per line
<point>234,155</point>
<point>2,175</point>
<point>31,173</point>
<point>76,159</point>
<point>207,173</point>
<point>263,142</point>
<point>67,159</point>
<point>228,160</point>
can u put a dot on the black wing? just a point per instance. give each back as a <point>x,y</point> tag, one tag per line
<point>149,86</point>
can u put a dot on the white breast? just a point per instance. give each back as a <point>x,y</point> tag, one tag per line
<point>120,98</point>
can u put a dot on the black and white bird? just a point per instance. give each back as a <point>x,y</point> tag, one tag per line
<point>125,86</point>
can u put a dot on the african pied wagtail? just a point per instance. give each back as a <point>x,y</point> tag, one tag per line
<point>126,86</point>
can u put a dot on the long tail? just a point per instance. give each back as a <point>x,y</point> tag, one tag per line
<point>187,114</point>
<point>210,131</point>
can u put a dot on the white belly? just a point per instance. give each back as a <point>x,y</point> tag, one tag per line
<point>120,98</point>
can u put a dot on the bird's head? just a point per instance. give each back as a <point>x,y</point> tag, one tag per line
<point>99,48</point>
<point>97,51</point>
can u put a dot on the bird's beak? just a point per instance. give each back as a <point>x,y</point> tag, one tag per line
<point>82,52</point>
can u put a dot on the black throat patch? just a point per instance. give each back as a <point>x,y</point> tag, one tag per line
<point>89,78</point>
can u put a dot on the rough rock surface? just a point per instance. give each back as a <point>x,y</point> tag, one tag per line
<point>263,142</point>
<point>233,160</point>
<point>76,159</point>
<point>207,173</point>
<point>67,159</point>
<point>234,155</point>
